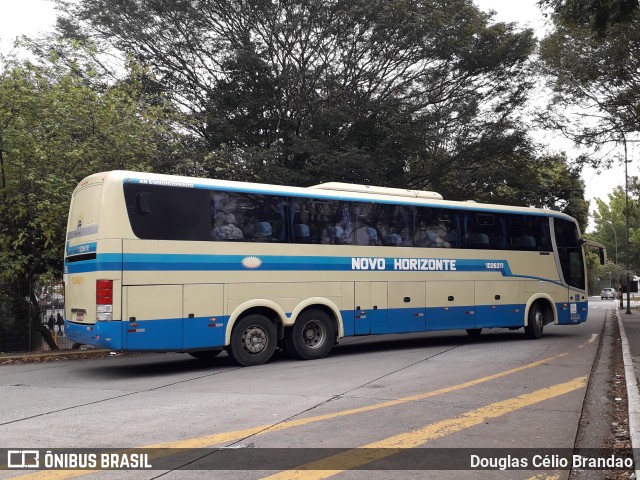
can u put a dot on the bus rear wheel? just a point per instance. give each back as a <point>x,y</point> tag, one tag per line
<point>535,325</point>
<point>253,340</point>
<point>312,335</point>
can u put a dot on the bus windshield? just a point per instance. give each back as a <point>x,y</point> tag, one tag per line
<point>570,252</point>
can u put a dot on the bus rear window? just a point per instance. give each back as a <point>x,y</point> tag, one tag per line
<point>168,213</point>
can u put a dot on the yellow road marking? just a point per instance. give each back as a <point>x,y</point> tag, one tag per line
<point>226,437</point>
<point>239,434</point>
<point>389,446</point>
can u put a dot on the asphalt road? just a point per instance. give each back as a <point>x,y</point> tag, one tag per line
<point>431,390</point>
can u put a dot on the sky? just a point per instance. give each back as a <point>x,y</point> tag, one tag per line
<point>598,184</point>
<point>31,17</point>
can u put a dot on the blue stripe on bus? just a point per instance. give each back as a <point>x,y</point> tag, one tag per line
<point>142,262</point>
<point>165,334</point>
<point>82,248</point>
<point>178,334</point>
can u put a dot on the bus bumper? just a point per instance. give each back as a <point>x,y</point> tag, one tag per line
<point>101,334</point>
<point>572,313</point>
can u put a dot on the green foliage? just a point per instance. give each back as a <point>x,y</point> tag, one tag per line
<point>55,129</point>
<point>300,93</point>
<point>419,94</point>
<point>610,275</point>
<point>594,75</point>
<point>611,230</point>
<point>598,15</point>
<point>394,93</point>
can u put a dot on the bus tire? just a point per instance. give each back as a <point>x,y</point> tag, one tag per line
<point>474,332</point>
<point>253,340</point>
<point>535,325</point>
<point>206,355</point>
<point>312,336</point>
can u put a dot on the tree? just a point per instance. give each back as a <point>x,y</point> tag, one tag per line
<point>376,92</point>
<point>610,226</point>
<point>595,71</point>
<point>54,130</point>
<point>598,15</point>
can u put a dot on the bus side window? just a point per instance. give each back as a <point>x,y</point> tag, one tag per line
<point>323,218</point>
<point>393,223</point>
<point>529,233</point>
<point>143,202</point>
<point>525,242</point>
<point>224,220</point>
<point>364,231</point>
<point>262,232</point>
<point>299,221</point>
<point>435,228</point>
<point>485,231</point>
<point>301,233</point>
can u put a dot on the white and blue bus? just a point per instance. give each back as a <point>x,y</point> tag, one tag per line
<point>166,263</point>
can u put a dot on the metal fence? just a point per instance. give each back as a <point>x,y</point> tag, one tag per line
<point>29,317</point>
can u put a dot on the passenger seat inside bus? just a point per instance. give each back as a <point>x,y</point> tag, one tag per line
<point>393,240</point>
<point>301,233</point>
<point>524,243</point>
<point>477,240</point>
<point>262,232</point>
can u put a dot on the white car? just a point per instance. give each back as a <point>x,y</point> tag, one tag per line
<point>608,293</point>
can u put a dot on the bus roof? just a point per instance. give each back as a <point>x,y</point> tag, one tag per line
<point>395,192</point>
<point>332,190</point>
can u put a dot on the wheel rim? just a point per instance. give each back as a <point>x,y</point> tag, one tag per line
<point>254,340</point>
<point>538,319</point>
<point>314,334</point>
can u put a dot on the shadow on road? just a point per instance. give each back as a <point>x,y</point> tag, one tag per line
<point>159,364</point>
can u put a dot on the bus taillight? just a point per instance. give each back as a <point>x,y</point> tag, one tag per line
<point>104,300</point>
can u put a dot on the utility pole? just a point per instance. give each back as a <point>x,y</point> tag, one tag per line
<point>626,200</point>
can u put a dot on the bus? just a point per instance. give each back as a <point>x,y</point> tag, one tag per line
<point>169,263</point>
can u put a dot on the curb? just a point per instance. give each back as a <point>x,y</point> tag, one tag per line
<point>633,395</point>
<point>51,355</point>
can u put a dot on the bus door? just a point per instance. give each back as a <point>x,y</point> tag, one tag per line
<point>203,324</point>
<point>370,308</point>
<point>406,307</point>
<point>153,316</point>
<point>450,305</point>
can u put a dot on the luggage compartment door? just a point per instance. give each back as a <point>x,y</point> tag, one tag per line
<point>153,316</point>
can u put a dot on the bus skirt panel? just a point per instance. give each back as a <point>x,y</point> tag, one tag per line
<point>106,335</point>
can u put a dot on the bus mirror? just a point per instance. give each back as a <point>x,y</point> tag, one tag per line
<point>603,256</point>
<point>602,251</point>
<point>143,202</point>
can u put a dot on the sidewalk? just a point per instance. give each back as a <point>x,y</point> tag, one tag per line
<point>629,324</point>
<point>50,356</point>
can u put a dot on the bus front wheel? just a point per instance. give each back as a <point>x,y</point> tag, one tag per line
<point>535,325</point>
<point>312,335</point>
<point>253,340</point>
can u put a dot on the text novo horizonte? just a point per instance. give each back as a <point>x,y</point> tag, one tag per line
<point>419,264</point>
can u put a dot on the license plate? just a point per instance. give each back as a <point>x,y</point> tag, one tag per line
<point>80,316</point>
